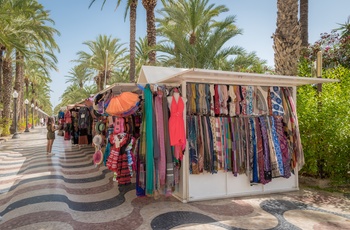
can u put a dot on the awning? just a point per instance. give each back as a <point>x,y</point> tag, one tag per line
<point>157,75</point>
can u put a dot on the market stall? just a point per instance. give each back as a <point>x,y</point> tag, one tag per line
<point>250,103</point>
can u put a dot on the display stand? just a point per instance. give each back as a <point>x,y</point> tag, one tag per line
<point>223,184</point>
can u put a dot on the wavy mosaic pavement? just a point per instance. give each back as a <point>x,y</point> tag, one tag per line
<point>66,191</point>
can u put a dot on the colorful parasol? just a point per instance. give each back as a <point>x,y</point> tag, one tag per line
<point>123,103</point>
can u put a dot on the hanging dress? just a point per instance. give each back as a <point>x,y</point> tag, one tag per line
<point>176,124</point>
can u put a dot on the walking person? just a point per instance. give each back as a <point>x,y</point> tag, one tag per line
<point>50,134</point>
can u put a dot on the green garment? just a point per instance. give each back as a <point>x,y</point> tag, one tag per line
<point>149,140</point>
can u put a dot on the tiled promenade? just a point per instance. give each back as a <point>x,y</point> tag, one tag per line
<point>66,191</point>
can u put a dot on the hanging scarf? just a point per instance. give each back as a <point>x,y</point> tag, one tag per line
<point>192,143</point>
<point>276,158</point>
<point>254,156</point>
<point>232,103</point>
<point>169,156</point>
<point>276,101</point>
<point>266,149</point>
<point>261,105</point>
<point>149,142</point>
<point>200,144</point>
<point>298,149</point>
<point>283,145</point>
<point>158,104</point>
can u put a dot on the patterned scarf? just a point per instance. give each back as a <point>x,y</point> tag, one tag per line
<point>266,149</point>
<point>276,101</point>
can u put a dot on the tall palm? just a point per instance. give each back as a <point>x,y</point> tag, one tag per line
<point>286,38</point>
<point>142,51</point>
<point>101,61</point>
<point>304,22</point>
<point>27,35</point>
<point>149,6</point>
<point>79,75</point>
<point>40,43</point>
<point>132,7</point>
<point>193,41</point>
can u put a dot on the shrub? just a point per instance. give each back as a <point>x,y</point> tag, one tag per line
<point>324,121</point>
<point>5,124</point>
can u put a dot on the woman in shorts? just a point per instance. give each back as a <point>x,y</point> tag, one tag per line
<point>50,134</point>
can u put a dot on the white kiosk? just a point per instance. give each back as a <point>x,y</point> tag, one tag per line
<point>223,184</point>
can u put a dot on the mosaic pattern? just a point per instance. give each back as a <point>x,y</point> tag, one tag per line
<point>67,191</point>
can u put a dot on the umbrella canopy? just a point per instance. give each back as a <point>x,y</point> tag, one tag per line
<point>123,103</point>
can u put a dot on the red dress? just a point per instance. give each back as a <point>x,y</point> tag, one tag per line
<point>176,124</point>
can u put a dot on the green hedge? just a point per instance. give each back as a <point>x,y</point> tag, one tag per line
<point>324,121</point>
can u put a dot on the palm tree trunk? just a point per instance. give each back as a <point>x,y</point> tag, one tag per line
<point>19,85</point>
<point>7,89</point>
<point>304,22</point>
<point>149,5</point>
<point>287,38</point>
<point>1,83</point>
<point>133,7</point>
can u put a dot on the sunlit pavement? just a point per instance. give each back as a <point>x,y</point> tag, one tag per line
<point>66,191</point>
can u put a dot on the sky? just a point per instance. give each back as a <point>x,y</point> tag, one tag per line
<point>78,23</point>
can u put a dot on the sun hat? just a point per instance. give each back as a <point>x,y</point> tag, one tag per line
<point>97,140</point>
<point>98,157</point>
<point>101,126</point>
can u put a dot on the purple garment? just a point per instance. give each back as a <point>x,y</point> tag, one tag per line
<point>158,104</point>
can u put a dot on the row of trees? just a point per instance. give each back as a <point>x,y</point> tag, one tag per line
<point>185,41</point>
<point>187,28</point>
<point>27,49</point>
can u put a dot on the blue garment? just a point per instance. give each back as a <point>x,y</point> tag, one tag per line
<point>255,178</point>
<point>276,144</point>
<point>106,153</point>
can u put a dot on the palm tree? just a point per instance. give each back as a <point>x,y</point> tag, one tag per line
<point>107,54</point>
<point>344,28</point>
<point>286,38</point>
<point>40,43</point>
<point>149,6</point>
<point>245,62</point>
<point>132,6</point>
<point>79,75</point>
<point>74,94</point>
<point>193,38</point>
<point>40,84</point>
<point>142,51</point>
<point>304,22</point>
<point>25,35</point>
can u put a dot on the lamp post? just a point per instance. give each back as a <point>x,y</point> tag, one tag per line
<point>26,102</point>
<point>104,82</point>
<point>37,113</point>
<point>32,105</point>
<point>15,96</point>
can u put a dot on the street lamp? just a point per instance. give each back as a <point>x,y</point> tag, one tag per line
<point>104,82</point>
<point>37,112</point>
<point>26,102</point>
<point>32,105</point>
<point>15,96</point>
